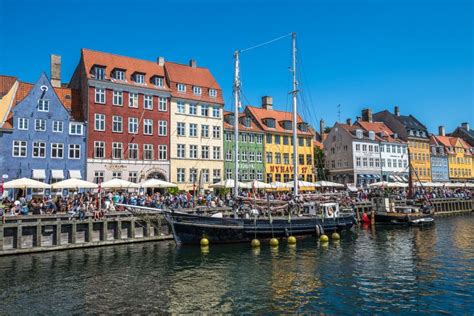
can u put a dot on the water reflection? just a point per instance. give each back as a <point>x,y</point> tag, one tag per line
<point>383,270</point>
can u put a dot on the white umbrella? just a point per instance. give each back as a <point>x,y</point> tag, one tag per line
<point>279,185</point>
<point>330,184</point>
<point>257,185</point>
<point>74,183</point>
<point>118,184</point>
<point>229,183</point>
<point>379,184</point>
<point>302,184</point>
<point>24,183</point>
<point>156,183</point>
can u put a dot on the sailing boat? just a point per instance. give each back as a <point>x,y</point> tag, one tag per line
<point>245,226</point>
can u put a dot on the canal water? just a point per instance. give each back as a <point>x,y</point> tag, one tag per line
<point>389,270</point>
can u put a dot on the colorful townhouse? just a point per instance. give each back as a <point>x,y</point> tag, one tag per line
<point>352,155</point>
<point>439,161</point>
<point>459,156</point>
<point>197,158</point>
<point>41,136</point>
<point>251,149</point>
<point>412,131</point>
<point>467,134</point>
<point>278,143</point>
<point>126,102</point>
<point>393,151</point>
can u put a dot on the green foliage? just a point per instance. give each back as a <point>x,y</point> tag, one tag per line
<point>322,173</point>
<point>173,191</point>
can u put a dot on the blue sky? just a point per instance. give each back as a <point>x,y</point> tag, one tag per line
<point>416,54</point>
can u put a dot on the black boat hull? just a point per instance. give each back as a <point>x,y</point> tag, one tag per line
<point>188,229</point>
<point>408,220</point>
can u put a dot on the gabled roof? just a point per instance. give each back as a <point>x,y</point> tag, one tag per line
<point>379,127</point>
<point>260,114</point>
<point>242,128</point>
<point>129,64</point>
<point>352,129</point>
<point>449,141</point>
<point>193,76</point>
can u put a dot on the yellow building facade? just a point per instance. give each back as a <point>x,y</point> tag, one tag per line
<point>420,160</point>
<point>460,161</point>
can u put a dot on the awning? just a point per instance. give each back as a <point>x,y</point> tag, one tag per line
<point>39,174</point>
<point>405,179</point>
<point>393,177</point>
<point>376,176</point>
<point>362,176</point>
<point>57,174</point>
<point>75,174</point>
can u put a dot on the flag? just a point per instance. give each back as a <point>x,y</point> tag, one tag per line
<point>289,217</point>
<point>1,188</point>
<point>270,217</point>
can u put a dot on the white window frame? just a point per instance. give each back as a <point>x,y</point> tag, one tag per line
<point>40,145</point>
<point>181,150</point>
<point>205,131</point>
<point>20,145</point>
<point>216,111</point>
<point>181,129</point>
<point>133,148</point>
<point>181,87</point>
<point>139,78</point>
<point>193,130</point>
<point>147,127</point>
<point>162,152</point>
<point>181,107</point>
<point>133,125</point>
<point>57,126</point>
<point>117,120</point>
<point>43,105</point>
<point>57,147</point>
<point>132,100</point>
<point>117,98</point>
<point>119,74</point>
<point>76,129</point>
<point>99,119</point>
<point>162,128</point>
<point>213,93</point>
<point>197,90</point>
<point>148,149</point>
<point>216,152</point>
<point>100,96</point>
<point>158,81</point>
<point>76,149</point>
<point>23,123</point>
<point>117,146</point>
<point>148,102</point>
<point>193,151</point>
<point>42,126</point>
<point>99,145</point>
<point>162,104</point>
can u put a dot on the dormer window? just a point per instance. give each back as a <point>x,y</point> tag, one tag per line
<point>410,132</point>
<point>213,93</point>
<point>270,122</point>
<point>43,105</point>
<point>99,72</point>
<point>422,134</point>
<point>197,90</point>
<point>372,135</point>
<point>181,87</point>
<point>119,74</point>
<point>359,134</point>
<point>417,133</point>
<point>158,81</point>
<point>286,125</point>
<point>303,127</point>
<point>139,78</point>
<point>246,121</point>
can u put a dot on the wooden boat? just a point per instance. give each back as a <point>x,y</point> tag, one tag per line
<point>386,213</point>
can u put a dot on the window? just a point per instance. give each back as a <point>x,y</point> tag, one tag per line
<point>205,152</point>
<point>162,152</point>
<point>192,175</point>
<point>76,129</point>
<point>216,132</point>
<point>268,138</point>
<point>371,148</point>
<point>277,158</point>
<point>147,151</point>
<point>300,141</point>
<point>309,159</point>
<point>74,151</point>
<point>99,122</point>
<point>100,95</point>
<point>216,175</point>
<point>43,105</point>
<point>216,152</point>
<point>147,127</point>
<point>40,125</point>
<point>251,156</point>
<point>133,100</point>
<point>269,177</point>
<point>133,176</point>
<point>244,156</point>
<point>117,150</point>
<point>205,131</point>
<point>117,98</point>
<point>277,139</point>
<point>98,177</point>
<point>192,130</point>
<point>193,151</point>
<point>119,74</point>
<point>259,157</point>
<point>251,138</point>
<point>23,123</point>
<point>99,149</point>
<point>205,110</point>
<point>197,90</point>
<point>19,148</point>
<point>57,150</point>
<point>181,175</point>
<point>364,162</point>
<point>181,129</point>
<point>116,174</point>
<point>259,138</point>
<point>192,109</point>
<point>216,111</point>
<point>269,157</point>
<point>133,125</point>
<point>117,124</point>
<point>213,93</point>
<point>205,175</point>
<point>270,122</point>
<point>162,104</point>
<point>389,163</point>
<point>162,128</point>
<point>181,87</point>
<point>371,162</point>
<point>180,106</point>
<point>228,155</point>
<point>301,159</point>
<point>39,149</point>
<point>364,147</point>
<point>148,102</point>
<point>99,73</point>
<point>286,159</point>
<point>181,151</point>
<point>377,162</point>
<point>139,78</point>
<point>228,173</point>
<point>133,151</point>
<point>158,81</point>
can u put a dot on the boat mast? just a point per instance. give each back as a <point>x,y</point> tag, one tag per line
<point>236,121</point>
<point>295,115</point>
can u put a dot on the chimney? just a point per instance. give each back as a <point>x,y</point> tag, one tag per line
<point>396,111</point>
<point>465,125</point>
<point>56,71</point>
<point>358,119</point>
<point>349,121</point>
<point>267,102</point>
<point>192,63</point>
<point>160,61</point>
<point>441,131</point>
<point>321,129</point>
<point>367,115</point>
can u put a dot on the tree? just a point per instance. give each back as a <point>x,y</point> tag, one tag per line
<point>321,171</point>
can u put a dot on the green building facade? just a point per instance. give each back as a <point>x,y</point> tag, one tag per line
<point>251,149</point>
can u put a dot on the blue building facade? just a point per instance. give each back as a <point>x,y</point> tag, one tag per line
<point>44,140</point>
<point>439,162</point>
